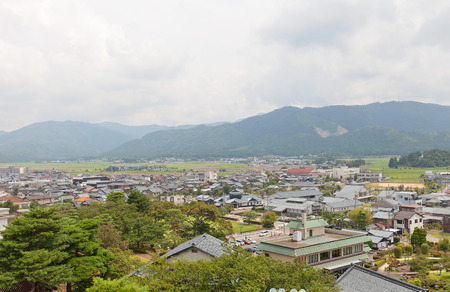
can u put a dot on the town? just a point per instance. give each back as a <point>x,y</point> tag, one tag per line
<point>329,216</point>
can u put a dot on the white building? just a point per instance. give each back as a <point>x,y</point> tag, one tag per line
<point>407,221</point>
<point>344,172</point>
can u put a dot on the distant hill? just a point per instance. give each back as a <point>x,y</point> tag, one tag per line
<point>374,129</point>
<point>140,131</point>
<point>58,140</point>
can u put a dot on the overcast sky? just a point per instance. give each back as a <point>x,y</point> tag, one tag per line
<point>189,62</point>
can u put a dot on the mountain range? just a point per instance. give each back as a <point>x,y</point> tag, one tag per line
<point>373,129</point>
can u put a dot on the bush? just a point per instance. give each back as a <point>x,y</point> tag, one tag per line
<point>415,281</point>
<point>380,263</point>
<point>417,251</point>
<point>396,239</point>
<point>398,252</point>
<point>409,249</point>
<point>425,248</point>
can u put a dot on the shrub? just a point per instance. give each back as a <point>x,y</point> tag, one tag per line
<point>396,239</point>
<point>417,251</point>
<point>408,249</point>
<point>425,248</point>
<point>415,281</point>
<point>380,263</point>
<point>398,252</point>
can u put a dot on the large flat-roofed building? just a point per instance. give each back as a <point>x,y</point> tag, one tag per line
<point>321,247</point>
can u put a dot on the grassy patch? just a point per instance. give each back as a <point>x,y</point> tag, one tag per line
<point>245,227</point>
<point>98,167</point>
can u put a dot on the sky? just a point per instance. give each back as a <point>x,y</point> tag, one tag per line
<point>190,62</point>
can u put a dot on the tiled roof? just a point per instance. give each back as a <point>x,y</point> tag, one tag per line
<point>205,242</point>
<point>404,215</point>
<point>311,223</point>
<point>359,279</point>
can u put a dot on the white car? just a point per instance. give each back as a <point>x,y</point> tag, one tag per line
<point>263,233</point>
<point>252,241</point>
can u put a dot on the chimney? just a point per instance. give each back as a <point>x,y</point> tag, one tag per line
<point>297,236</point>
<point>304,219</point>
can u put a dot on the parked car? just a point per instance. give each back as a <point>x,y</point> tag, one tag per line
<point>252,241</point>
<point>263,233</point>
<point>250,249</point>
<point>239,242</point>
<point>248,242</point>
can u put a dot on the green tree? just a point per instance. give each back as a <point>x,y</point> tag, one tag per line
<point>115,197</point>
<point>360,217</point>
<point>444,244</point>
<point>420,264</point>
<point>249,215</point>
<point>118,285</point>
<point>87,258</point>
<point>139,199</point>
<point>445,261</point>
<point>268,219</point>
<point>12,207</point>
<point>419,237</point>
<point>33,248</point>
<point>393,163</point>
<point>408,250</point>
<point>234,271</point>
<point>398,252</point>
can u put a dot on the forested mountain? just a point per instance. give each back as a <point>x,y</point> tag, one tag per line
<point>378,128</point>
<point>57,140</point>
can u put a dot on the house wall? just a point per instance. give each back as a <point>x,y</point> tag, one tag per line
<point>192,254</point>
<point>281,257</point>
<point>3,223</point>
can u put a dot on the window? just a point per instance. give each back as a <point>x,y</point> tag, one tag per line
<point>194,250</point>
<point>358,248</point>
<point>399,221</point>
<point>347,250</point>
<point>313,258</point>
<point>415,221</point>
<point>325,256</point>
<point>310,233</point>
<point>410,221</point>
<point>420,219</point>
<point>336,253</point>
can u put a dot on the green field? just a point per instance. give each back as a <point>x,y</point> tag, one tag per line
<point>245,227</point>
<point>98,167</point>
<point>406,175</point>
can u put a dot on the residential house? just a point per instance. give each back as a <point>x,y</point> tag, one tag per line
<point>203,247</point>
<point>238,200</point>
<point>408,221</point>
<point>176,199</point>
<point>381,238</point>
<point>350,192</point>
<point>385,218</point>
<point>342,206</point>
<point>408,198</point>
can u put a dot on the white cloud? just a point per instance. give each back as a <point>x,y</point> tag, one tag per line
<point>179,62</point>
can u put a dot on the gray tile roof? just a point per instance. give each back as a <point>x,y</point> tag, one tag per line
<point>205,242</point>
<point>359,279</point>
<point>381,233</point>
<point>345,203</point>
<point>383,215</point>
